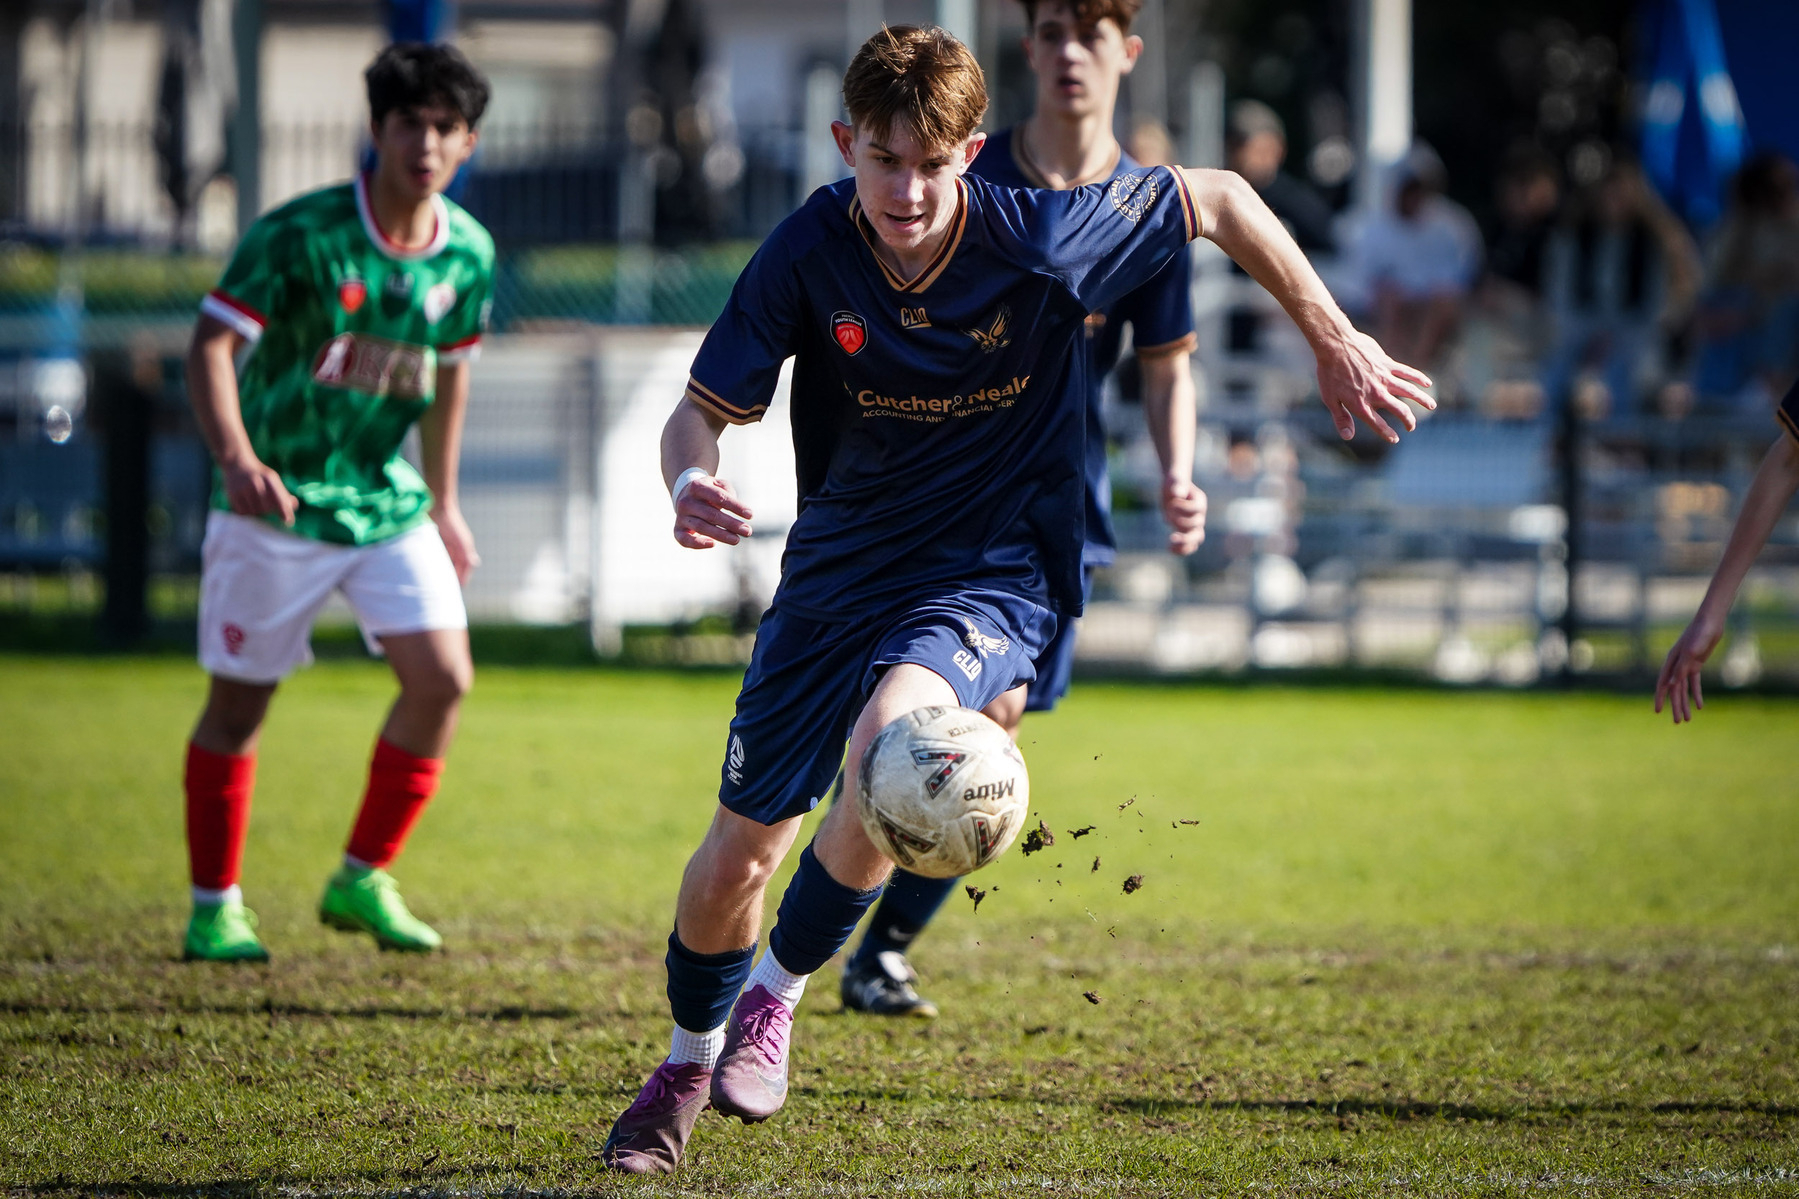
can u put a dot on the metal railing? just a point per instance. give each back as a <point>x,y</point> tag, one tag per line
<point>1451,558</point>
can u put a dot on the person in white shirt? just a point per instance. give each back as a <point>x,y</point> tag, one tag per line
<point>1417,261</point>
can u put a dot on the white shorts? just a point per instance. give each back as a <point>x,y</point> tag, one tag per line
<point>261,588</point>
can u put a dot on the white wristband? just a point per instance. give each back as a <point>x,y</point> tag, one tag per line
<point>685,479</point>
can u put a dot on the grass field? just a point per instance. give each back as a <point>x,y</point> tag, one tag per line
<point>1416,943</point>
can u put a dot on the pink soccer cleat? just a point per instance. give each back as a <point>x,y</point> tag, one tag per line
<point>750,1081</point>
<point>652,1134</point>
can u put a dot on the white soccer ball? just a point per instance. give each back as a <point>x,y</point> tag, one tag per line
<point>942,791</point>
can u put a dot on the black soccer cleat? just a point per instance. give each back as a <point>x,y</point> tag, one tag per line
<point>883,987</point>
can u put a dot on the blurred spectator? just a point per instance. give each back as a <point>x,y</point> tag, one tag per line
<point>1150,143</point>
<point>1529,200</point>
<point>1505,338</point>
<point>1416,261</point>
<point>1749,319</point>
<point>1620,269</point>
<point>1255,148</point>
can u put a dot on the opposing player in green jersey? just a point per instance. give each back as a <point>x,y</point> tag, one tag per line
<point>362,305</point>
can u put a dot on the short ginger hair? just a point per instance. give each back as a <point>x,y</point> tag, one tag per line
<point>920,77</point>
<point>1092,12</point>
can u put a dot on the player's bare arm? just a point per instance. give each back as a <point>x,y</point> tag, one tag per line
<point>252,488</point>
<point>440,443</point>
<point>1168,406</point>
<point>1775,483</point>
<point>1356,378</point>
<point>707,510</point>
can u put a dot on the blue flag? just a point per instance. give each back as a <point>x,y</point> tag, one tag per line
<point>1693,133</point>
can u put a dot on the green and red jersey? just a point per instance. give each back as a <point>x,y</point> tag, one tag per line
<point>348,331</point>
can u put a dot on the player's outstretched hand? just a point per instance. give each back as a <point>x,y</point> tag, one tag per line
<point>1184,508</point>
<point>709,512</point>
<point>1359,381</point>
<point>457,539</point>
<point>1678,684</point>
<point>253,489</point>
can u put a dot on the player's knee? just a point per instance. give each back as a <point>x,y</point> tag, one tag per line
<point>442,686</point>
<point>461,679</point>
<point>1007,711</point>
<point>736,859</point>
<point>233,715</point>
<point>234,726</point>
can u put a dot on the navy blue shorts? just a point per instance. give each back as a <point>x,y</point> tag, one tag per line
<point>1055,665</point>
<point>809,679</point>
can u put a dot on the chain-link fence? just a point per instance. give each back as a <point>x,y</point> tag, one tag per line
<point>1452,556</point>
<point>1449,557</point>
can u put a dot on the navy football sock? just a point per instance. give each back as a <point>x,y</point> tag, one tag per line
<point>905,908</point>
<point>816,918</point>
<point>703,986</point>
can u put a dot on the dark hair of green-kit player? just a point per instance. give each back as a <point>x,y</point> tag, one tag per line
<point>408,74</point>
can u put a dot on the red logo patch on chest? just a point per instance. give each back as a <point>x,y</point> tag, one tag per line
<point>351,293</point>
<point>850,331</point>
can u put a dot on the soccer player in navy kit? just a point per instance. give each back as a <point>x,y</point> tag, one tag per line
<point>1079,52</point>
<point>939,424</point>
<point>1775,483</point>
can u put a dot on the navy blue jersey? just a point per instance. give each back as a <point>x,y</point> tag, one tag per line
<point>1160,314</point>
<point>938,422</point>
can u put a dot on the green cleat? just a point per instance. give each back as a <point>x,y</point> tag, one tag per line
<point>368,901</point>
<point>223,932</point>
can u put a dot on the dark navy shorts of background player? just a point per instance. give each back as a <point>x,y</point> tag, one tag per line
<point>808,680</point>
<point>1055,665</point>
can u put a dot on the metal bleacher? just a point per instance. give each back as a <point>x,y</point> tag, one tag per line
<point>1450,552</point>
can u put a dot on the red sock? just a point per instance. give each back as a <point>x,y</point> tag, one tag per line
<point>218,814</point>
<point>400,786</point>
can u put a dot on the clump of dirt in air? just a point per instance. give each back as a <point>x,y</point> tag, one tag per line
<point>1091,997</point>
<point>1095,869</point>
<point>1036,839</point>
<point>1078,833</point>
<point>1133,883</point>
<point>976,894</point>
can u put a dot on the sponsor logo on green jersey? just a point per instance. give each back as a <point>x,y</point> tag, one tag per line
<point>358,362</point>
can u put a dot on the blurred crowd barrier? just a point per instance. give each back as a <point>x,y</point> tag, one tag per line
<point>1452,555</point>
<point>1449,556</point>
<point>1606,386</point>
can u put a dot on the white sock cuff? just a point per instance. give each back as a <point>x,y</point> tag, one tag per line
<point>700,1048</point>
<point>231,894</point>
<point>770,974</point>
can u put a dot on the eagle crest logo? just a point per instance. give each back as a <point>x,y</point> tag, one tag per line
<point>981,643</point>
<point>996,336</point>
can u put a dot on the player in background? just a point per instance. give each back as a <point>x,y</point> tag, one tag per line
<point>939,410</point>
<point>1775,482</point>
<point>1079,52</point>
<point>362,305</point>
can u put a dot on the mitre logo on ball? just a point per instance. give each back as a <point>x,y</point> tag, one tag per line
<point>942,791</point>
